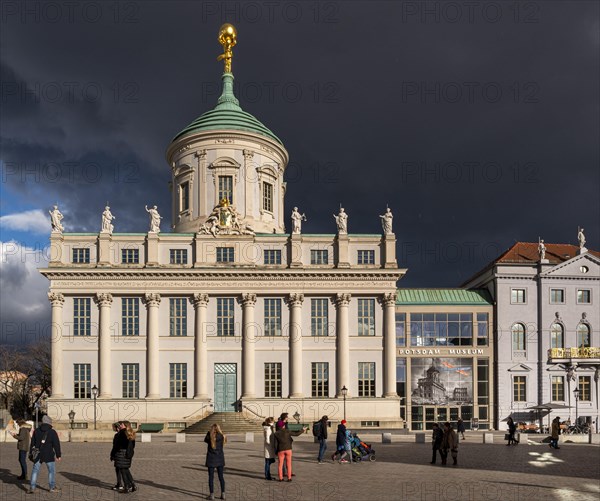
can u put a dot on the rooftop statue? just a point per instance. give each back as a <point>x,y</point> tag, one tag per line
<point>107,219</point>
<point>55,220</point>
<point>155,218</point>
<point>386,221</point>
<point>342,222</point>
<point>297,219</point>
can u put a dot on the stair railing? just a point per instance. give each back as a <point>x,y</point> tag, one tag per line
<point>201,410</point>
<point>251,411</point>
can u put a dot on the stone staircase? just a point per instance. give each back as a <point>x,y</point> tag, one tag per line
<point>230,422</point>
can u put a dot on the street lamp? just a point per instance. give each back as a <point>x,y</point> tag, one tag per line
<point>94,394</point>
<point>344,393</point>
<point>37,410</point>
<point>71,417</point>
<point>576,394</point>
<point>296,416</point>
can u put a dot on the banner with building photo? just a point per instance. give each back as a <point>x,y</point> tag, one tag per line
<point>441,381</point>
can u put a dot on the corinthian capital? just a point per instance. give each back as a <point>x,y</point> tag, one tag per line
<point>56,298</point>
<point>152,299</point>
<point>295,299</point>
<point>103,299</point>
<point>388,299</point>
<point>342,299</point>
<point>248,299</point>
<point>199,299</point>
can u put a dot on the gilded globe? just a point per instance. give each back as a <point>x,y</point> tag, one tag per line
<point>227,35</point>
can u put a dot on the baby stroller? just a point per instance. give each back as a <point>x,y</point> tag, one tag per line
<point>361,451</point>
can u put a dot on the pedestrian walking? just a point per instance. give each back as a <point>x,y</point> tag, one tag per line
<point>555,432</point>
<point>449,444</point>
<point>340,440</point>
<point>460,428</point>
<point>46,443</point>
<point>113,452</point>
<point>270,454</point>
<point>125,448</point>
<point>436,441</point>
<point>282,422</point>
<point>23,442</point>
<point>320,431</point>
<point>512,428</point>
<point>283,445</point>
<point>215,458</point>
<point>347,452</point>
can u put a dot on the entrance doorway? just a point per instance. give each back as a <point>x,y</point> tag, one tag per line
<point>225,387</point>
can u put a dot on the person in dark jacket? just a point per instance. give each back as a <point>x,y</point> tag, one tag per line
<point>215,458</point>
<point>460,428</point>
<point>340,440</point>
<point>322,437</point>
<point>117,427</point>
<point>512,428</point>
<point>124,449</point>
<point>283,445</point>
<point>436,441</point>
<point>46,440</point>
<point>23,443</point>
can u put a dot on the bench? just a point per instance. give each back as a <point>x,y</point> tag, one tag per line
<point>151,427</point>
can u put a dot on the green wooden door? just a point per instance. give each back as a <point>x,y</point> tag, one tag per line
<point>225,387</point>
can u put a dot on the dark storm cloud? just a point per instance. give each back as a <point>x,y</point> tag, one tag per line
<point>478,130</point>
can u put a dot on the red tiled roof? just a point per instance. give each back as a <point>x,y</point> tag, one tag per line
<point>527,252</point>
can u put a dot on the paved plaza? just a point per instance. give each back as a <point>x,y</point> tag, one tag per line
<point>165,470</point>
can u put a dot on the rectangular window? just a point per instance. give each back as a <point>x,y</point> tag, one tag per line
<point>319,256</point>
<point>226,188</point>
<point>81,255</point>
<point>82,320</point>
<point>401,383</point>
<point>517,296</point>
<point>320,379</point>
<point>483,381</point>
<point>366,257</point>
<point>82,381</point>
<point>272,256</point>
<point>272,317</point>
<point>225,316</point>
<point>178,316</point>
<point>267,197</point>
<point>584,296</point>
<point>184,201</point>
<point>585,384</point>
<point>130,256</point>
<point>482,329</point>
<point>319,317</point>
<point>366,379</point>
<point>558,388</point>
<point>366,317</point>
<point>178,256</point>
<point>400,329</point>
<point>272,380</point>
<point>441,329</point>
<point>131,380</point>
<point>557,296</point>
<point>130,316</point>
<point>519,389</point>
<point>177,380</point>
<point>225,254</point>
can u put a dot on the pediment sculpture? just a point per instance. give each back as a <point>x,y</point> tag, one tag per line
<point>225,220</point>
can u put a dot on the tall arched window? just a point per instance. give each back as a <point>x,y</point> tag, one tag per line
<point>557,338</point>
<point>518,337</point>
<point>583,336</point>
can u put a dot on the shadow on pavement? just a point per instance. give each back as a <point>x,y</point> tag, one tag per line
<point>11,479</point>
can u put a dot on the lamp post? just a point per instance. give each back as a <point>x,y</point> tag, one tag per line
<point>344,393</point>
<point>94,394</point>
<point>71,417</point>
<point>296,416</point>
<point>37,410</point>
<point>576,394</point>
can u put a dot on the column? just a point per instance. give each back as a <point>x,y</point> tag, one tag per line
<point>294,302</point>
<point>343,343</point>
<point>200,302</point>
<point>104,302</point>
<point>152,369</point>
<point>389,344</point>
<point>57,300</point>
<point>248,340</point>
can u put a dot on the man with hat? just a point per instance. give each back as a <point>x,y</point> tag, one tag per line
<point>46,440</point>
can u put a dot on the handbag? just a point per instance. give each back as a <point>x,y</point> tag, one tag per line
<point>34,452</point>
<point>507,436</point>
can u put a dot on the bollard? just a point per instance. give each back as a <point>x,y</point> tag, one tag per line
<point>249,437</point>
<point>488,438</point>
<point>180,438</point>
<point>146,437</point>
<point>386,438</point>
<point>419,438</point>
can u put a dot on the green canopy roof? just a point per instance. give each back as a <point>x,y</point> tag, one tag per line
<point>227,115</point>
<point>443,296</point>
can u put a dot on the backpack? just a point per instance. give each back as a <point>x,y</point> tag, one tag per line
<point>34,452</point>
<point>316,429</point>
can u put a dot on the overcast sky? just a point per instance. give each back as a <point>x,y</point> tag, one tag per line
<point>477,122</point>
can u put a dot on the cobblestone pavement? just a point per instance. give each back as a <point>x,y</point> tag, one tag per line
<point>168,471</point>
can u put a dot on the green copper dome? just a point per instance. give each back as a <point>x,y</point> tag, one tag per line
<point>227,115</point>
